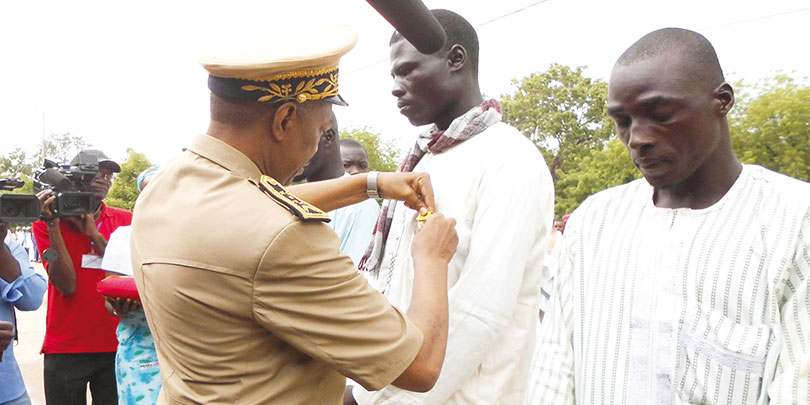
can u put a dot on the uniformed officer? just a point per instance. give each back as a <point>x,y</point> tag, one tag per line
<point>245,290</point>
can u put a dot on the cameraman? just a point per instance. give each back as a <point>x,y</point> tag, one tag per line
<point>20,288</point>
<point>80,340</point>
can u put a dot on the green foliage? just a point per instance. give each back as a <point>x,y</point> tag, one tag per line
<point>773,128</point>
<point>382,155</point>
<point>62,148</point>
<point>124,190</point>
<point>594,171</point>
<point>15,164</point>
<point>18,164</point>
<point>562,112</point>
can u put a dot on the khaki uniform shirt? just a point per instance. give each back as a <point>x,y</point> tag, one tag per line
<point>249,304</point>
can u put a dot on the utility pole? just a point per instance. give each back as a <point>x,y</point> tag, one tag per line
<point>43,139</point>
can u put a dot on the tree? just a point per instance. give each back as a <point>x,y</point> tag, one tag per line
<point>124,190</point>
<point>15,164</point>
<point>772,129</point>
<point>62,148</point>
<point>382,155</point>
<point>562,112</point>
<point>593,172</point>
<point>59,148</point>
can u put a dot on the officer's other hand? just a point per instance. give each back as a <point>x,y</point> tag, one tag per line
<point>437,240</point>
<point>46,197</point>
<point>122,307</point>
<point>412,188</point>
<point>84,224</point>
<point>6,334</point>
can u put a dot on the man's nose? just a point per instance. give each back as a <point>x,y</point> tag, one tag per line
<point>399,89</point>
<point>641,135</point>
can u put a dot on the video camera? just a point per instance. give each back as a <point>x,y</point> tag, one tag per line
<point>68,183</point>
<point>17,207</point>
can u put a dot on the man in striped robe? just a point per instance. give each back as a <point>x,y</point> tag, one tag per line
<point>690,285</point>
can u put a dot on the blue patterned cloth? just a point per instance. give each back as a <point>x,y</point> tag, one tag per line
<point>137,372</point>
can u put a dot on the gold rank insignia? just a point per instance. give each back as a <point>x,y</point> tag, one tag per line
<point>300,208</point>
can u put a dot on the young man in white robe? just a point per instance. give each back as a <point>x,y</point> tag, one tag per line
<point>496,184</point>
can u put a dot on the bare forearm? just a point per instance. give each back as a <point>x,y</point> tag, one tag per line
<point>428,310</point>
<point>330,195</point>
<point>61,272</point>
<point>99,242</point>
<point>9,267</point>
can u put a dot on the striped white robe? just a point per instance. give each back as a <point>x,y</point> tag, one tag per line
<point>656,305</point>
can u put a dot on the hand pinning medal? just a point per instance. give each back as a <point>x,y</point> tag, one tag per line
<point>422,218</point>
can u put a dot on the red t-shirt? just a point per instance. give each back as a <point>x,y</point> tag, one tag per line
<point>79,323</point>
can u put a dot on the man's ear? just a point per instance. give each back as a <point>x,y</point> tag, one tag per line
<point>456,57</point>
<point>283,119</point>
<point>724,99</point>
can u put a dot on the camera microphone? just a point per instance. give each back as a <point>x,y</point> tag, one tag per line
<point>414,22</point>
<point>54,178</point>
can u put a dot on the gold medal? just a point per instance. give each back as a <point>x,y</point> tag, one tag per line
<point>423,218</point>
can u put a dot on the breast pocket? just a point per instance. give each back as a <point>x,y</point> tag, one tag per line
<point>720,361</point>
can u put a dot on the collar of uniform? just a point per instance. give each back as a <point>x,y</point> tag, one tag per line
<point>226,156</point>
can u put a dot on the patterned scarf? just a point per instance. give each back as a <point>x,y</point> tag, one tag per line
<point>434,141</point>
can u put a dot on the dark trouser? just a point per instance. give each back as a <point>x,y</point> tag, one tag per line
<point>67,375</point>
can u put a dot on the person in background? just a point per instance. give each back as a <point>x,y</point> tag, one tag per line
<point>354,156</point>
<point>20,288</point>
<point>550,263</point>
<point>353,224</point>
<point>80,341</point>
<point>137,370</point>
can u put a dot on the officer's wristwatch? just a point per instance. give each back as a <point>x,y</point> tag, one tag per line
<point>371,185</point>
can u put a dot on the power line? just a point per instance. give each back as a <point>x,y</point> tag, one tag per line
<point>764,17</point>
<point>512,13</point>
<point>476,26</point>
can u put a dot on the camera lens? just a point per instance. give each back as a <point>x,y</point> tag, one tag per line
<point>9,210</point>
<point>71,202</point>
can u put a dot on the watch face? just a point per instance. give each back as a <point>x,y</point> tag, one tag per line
<point>50,255</point>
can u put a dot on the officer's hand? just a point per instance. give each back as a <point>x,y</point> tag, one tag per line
<point>84,224</point>
<point>412,188</point>
<point>437,240</point>
<point>45,199</point>
<point>6,334</point>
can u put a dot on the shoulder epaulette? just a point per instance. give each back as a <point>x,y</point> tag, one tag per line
<point>300,208</point>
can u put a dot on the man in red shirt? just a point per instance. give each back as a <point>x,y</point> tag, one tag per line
<point>80,340</point>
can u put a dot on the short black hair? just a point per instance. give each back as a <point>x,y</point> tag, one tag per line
<point>458,30</point>
<point>352,144</point>
<point>694,48</point>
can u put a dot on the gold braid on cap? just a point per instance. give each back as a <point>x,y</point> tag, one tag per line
<point>299,85</point>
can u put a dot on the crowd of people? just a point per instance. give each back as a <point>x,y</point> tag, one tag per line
<point>690,285</point>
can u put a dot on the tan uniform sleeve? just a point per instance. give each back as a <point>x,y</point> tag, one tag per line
<point>310,295</point>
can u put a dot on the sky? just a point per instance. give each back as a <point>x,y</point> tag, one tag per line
<point>125,74</point>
